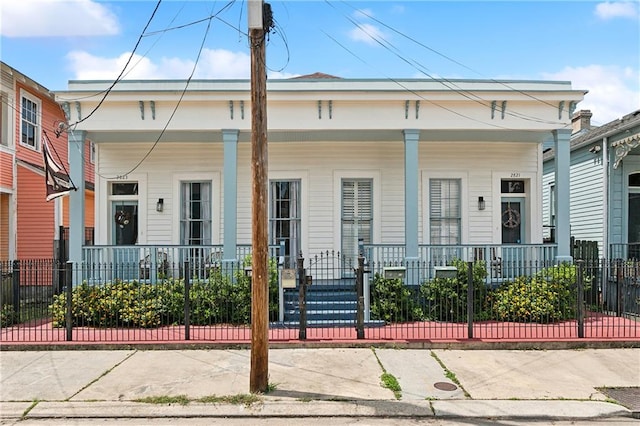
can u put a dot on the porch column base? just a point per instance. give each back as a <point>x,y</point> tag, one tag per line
<point>564,259</point>
<point>412,271</point>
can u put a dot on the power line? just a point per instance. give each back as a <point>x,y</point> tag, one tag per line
<point>175,109</point>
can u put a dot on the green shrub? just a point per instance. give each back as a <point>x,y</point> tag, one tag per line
<point>220,299</point>
<point>392,301</point>
<point>446,298</point>
<point>7,316</point>
<point>548,296</point>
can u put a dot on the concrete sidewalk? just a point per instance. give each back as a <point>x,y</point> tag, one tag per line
<point>439,383</point>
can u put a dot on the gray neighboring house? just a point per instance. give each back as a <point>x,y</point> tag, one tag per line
<point>604,185</point>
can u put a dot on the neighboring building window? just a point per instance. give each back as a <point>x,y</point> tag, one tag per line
<point>552,213</point>
<point>357,215</point>
<point>92,152</point>
<point>633,219</point>
<point>445,213</point>
<point>4,119</point>
<point>284,217</point>
<point>195,213</point>
<point>30,122</point>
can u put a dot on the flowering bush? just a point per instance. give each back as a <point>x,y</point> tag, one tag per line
<point>548,296</point>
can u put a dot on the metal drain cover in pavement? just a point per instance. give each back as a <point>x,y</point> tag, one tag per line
<point>445,386</point>
<point>629,397</point>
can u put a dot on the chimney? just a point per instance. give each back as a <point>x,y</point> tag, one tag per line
<point>581,120</point>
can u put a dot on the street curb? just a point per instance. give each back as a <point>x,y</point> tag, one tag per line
<point>494,409</point>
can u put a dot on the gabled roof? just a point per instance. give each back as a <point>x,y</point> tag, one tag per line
<point>596,134</point>
<point>315,76</point>
<point>606,130</point>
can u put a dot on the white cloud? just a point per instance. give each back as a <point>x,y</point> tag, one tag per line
<point>56,18</point>
<point>621,9</point>
<point>613,90</point>
<point>366,33</point>
<point>213,64</point>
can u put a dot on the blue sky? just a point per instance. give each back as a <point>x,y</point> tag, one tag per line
<point>594,44</point>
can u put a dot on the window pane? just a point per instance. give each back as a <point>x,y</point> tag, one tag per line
<point>284,217</point>
<point>195,213</point>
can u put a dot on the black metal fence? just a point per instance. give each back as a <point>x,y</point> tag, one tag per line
<point>326,297</point>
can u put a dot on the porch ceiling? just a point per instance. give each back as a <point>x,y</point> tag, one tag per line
<point>312,135</point>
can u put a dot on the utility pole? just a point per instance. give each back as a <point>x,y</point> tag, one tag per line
<point>259,375</point>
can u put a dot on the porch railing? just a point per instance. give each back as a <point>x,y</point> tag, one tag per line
<point>502,261</point>
<point>624,251</point>
<point>135,262</point>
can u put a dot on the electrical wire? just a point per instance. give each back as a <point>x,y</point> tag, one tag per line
<point>175,109</point>
<point>106,93</point>
<point>447,83</point>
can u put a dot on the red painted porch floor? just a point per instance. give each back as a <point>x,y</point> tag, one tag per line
<point>597,327</point>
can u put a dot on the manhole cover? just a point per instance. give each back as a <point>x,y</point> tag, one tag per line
<point>445,386</point>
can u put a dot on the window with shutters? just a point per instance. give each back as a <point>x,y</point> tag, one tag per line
<point>357,215</point>
<point>445,213</point>
<point>284,217</point>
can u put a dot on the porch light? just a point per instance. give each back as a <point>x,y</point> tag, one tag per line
<point>160,205</point>
<point>481,204</point>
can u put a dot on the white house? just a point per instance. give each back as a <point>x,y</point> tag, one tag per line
<point>410,164</point>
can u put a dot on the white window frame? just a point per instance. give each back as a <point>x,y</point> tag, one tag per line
<point>216,203</point>
<point>446,219</point>
<point>464,203</point>
<point>375,176</point>
<point>38,125</point>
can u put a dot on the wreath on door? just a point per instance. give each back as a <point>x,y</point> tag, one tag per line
<point>122,218</point>
<point>510,218</point>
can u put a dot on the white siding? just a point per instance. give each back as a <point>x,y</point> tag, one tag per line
<point>320,165</point>
<point>586,201</point>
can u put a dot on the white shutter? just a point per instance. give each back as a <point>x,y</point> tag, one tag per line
<point>357,215</point>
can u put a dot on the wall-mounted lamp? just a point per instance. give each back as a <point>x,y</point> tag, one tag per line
<point>481,204</point>
<point>160,205</point>
<point>595,149</point>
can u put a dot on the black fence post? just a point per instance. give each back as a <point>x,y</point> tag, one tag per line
<point>302,298</point>
<point>187,302</point>
<point>16,288</point>
<point>68,282</point>
<point>620,273</point>
<point>580,297</point>
<point>470,300</point>
<point>360,294</point>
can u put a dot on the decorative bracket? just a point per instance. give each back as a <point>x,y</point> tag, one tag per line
<point>330,110</point>
<point>623,147</point>
<point>141,103</point>
<point>319,110</point>
<point>79,110</point>
<point>417,109</point>
<point>152,104</point>
<point>504,108</point>
<point>231,109</point>
<point>242,110</point>
<point>67,110</point>
<point>560,108</point>
<point>493,109</point>
<point>406,110</point>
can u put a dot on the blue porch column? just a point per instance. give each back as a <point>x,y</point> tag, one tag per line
<point>76,198</point>
<point>230,140</point>
<point>561,138</point>
<point>411,138</point>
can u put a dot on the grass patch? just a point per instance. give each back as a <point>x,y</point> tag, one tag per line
<point>450,375</point>
<point>271,387</point>
<point>165,399</point>
<point>240,399</point>
<point>388,380</point>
